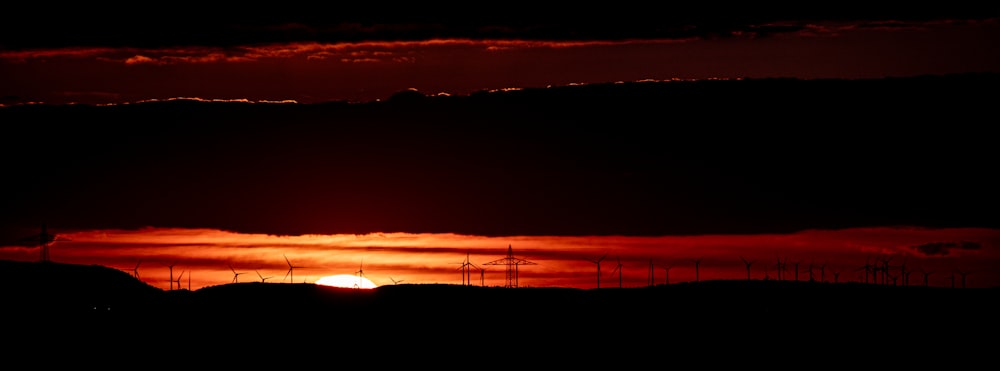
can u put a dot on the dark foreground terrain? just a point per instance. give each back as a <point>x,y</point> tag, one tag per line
<point>95,312</point>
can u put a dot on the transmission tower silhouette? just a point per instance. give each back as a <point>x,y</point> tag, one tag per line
<point>43,240</point>
<point>512,264</point>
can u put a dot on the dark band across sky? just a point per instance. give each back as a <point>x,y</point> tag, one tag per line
<point>177,24</point>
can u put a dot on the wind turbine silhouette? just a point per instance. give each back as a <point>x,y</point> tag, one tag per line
<point>781,266</point>
<point>361,273</point>
<point>395,281</point>
<point>291,272</point>
<point>466,271</point>
<point>236,275</point>
<point>885,270</point>
<point>748,263</point>
<point>903,273</point>
<point>926,276</point>
<point>171,267</point>
<point>810,271</point>
<point>652,273</point>
<point>178,280</point>
<point>869,268</point>
<point>482,276</point>
<point>262,278</point>
<point>963,274</point>
<point>598,262</point>
<point>697,264</point>
<point>618,268</point>
<point>666,271</point>
<point>135,270</point>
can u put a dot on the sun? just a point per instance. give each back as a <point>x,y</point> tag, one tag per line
<point>347,280</point>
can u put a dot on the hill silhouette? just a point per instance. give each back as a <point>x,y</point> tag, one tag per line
<point>76,302</point>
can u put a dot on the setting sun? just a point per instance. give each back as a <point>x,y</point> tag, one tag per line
<point>347,280</point>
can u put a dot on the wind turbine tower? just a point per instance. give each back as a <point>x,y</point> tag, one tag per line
<point>963,274</point>
<point>666,273</point>
<point>511,264</point>
<point>262,278</point>
<point>598,262</point>
<point>236,275</point>
<point>748,263</point>
<point>652,271</point>
<point>171,267</point>
<point>135,270</point>
<point>291,272</point>
<point>178,280</point>
<point>466,269</point>
<point>361,274</point>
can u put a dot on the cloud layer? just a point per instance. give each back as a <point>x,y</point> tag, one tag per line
<point>40,25</point>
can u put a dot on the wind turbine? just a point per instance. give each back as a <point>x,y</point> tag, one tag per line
<point>171,267</point>
<point>697,263</point>
<point>395,281</point>
<point>869,268</point>
<point>482,276</point>
<point>963,274</point>
<point>178,280</point>
<point>262,278</point>
<point>926,275</point>
<point>361,273</point>
<point>598,262</point>
<point>748,264</point>
<point>466,272</point>
<point>236,275</point>
<point>652,273</point>
<point>618,268</point>
<point>782,266</point>
<point>885,270</point>
<point>291,272</point>
<point>903,273</point>
<point>666,271</point>
<point>135,270</point>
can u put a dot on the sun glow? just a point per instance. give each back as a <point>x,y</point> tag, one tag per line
<point>347,280</point>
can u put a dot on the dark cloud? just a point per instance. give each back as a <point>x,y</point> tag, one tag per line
<point>752,156</point>
<point>944,248</point>
<point>44,25</point>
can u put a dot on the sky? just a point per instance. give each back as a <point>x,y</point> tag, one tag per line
<point>228,138</point>
<point>87,54</point>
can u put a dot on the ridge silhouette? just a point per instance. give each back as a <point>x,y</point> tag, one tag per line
<point>73,303</point>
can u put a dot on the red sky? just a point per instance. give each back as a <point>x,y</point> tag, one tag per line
<point>203,191</point>
<point>205,256</point>
<point>308,71</point>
